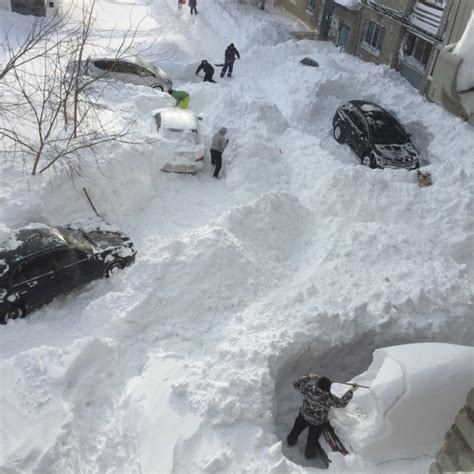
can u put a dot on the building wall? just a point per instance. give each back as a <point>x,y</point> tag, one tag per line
<point>298,8</point>
<point>349,18</point>
<point>393,36</point>
<point>403,7</point>
<point>5,5</point>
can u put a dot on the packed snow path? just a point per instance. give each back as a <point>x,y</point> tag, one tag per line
<point>299,259</point>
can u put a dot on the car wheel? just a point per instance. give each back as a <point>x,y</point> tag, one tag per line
<point>114,268</point>
<point>16,312</point>
<point>158,87</point>
<point>369,160</point>
<point>338,134</point>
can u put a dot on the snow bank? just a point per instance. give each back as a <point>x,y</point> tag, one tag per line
<point>350,4</point>
<point>66,382</point>
<point>465,81</point>
<point>300,258</point>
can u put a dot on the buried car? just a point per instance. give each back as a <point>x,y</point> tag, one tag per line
<point>47,261</point>
<point>375,135</point>
<point>133,70</point>
<point>179,148</point>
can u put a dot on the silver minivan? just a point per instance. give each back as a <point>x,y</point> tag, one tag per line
<point>133,70</point>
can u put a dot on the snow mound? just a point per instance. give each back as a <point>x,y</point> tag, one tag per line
<point>66,383</point>
<point>465,81</point>
<point>409,394</point>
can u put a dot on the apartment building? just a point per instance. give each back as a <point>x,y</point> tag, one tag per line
<point>406,35</point>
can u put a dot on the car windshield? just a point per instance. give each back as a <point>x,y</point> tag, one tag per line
<point>187,136</point>
<point>386,131</point>
<point>76,238</point>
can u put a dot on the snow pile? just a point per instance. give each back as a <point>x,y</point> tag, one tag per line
<point>465,82</point>
<point>66,383</point>
<point>407,409</point>
<point>298,260</point>
<point>349,4</point>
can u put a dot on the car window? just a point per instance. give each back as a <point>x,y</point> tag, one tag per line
<point>33,268</point>
<point>358,121</point>
<point>190,137</point>
<point>158,120</point>
<point>104,65</point>
<point>63,258</point>
<point>385,130</point>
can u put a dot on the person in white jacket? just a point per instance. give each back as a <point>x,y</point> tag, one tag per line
<point>219,142</point>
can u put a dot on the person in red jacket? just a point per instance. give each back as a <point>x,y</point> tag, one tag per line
<point>317,402</point>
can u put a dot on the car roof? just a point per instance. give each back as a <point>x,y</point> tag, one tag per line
<point>177,118</point>
<point>32,240</point>
<point>367,108</point>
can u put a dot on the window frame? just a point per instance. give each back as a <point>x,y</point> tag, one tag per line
<point>311,6</point>
<point>373,33</point>
<point>27,261</point>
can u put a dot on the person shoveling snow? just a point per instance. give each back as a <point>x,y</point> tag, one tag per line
<point>318,400</point>
<point>208,71</point>
<point>181,97</point>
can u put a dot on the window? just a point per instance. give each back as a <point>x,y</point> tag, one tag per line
<point>158,121</point>
<point>65,257</point>
<point>33,268</point>
<point>416,51</point>
<point>373,37</point>
<point>358,121</point>
<point>311,5</point>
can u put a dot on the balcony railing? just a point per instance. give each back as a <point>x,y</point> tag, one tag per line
<point>427,15</point>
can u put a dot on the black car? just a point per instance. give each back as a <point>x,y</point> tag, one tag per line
<point>43,262</point>
<point>375,135</point>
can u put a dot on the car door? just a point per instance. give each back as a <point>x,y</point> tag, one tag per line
<point>34,280</point>
<point>128,72</point>
<point>73,268</point>
<point>358,133</point>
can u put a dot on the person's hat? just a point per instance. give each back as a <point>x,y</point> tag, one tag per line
<point>324,384</point>
<point>223,130</point>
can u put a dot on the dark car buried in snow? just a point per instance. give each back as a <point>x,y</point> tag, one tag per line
<point>375,135</point>
<point>43,262</point>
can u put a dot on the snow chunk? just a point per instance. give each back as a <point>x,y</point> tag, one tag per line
<point>465,81</point>
<point>349,4</point>
<point>409,400</point>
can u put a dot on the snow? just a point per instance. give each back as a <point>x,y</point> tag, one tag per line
<point>298,260</point>
<point>349,4</point>
<point>465,80</point>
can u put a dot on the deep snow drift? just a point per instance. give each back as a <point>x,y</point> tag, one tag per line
<point>299,259</point>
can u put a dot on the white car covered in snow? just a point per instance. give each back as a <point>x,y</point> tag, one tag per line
<point>180,148</point>
<point>133,70</point>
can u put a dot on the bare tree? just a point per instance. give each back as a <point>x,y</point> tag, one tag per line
<point>50,112</point>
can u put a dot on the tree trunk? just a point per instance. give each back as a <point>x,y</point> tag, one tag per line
<point>262,5</point>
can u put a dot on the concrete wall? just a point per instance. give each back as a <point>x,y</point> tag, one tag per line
<point>456,455</point>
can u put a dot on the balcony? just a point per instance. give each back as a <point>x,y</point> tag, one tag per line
<point>427,15</point>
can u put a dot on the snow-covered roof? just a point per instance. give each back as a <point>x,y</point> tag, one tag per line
<point>349,4</point>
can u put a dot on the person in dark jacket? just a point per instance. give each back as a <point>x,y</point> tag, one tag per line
<point>317,402</point>
<point>219,142</point>
<point>231,54</point>
<point>208,71</point>
<point>192,6</point>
